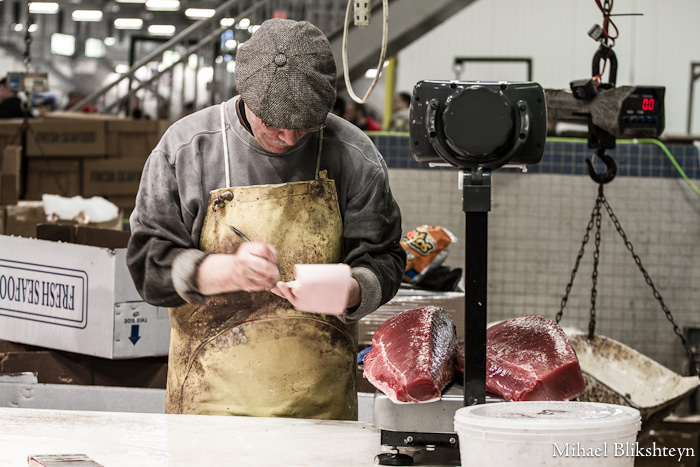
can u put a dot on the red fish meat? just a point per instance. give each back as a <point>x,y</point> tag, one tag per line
<point>413,355</point>
<point>529,358</point>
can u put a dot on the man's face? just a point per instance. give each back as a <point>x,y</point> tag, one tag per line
<point>273,139</point>
<point>5,92</point>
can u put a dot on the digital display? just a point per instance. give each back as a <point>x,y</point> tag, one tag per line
<point>648,103</point>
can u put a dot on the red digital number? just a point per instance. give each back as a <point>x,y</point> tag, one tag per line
<point>647,104</point>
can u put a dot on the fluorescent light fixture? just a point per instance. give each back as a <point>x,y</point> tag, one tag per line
<point>169,57</point>
<point>87,15</point>
<point>253,28</point>
<point>231,66</point>
<point>200,13</point>
<point>161,29</point>
<point>231,44</point>
<point>17,27</point>
<point>43,8</point>
<point>192,61</point>
<point>63,44</point>
<point>32,27</point>
<point>128,23</point>
<point>110,41</point>
<point>372,72</point>
<point>243,24</point>
<point>121,68</point>
<point>94,48</point>
<point>163,5</point>
<point>219,60</point>
<point>206,73</point>
<point>227,22</point>
<point>131,1</point>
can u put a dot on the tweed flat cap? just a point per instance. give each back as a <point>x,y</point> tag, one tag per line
<point>285,74</point>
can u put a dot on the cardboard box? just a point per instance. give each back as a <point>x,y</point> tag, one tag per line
<point>76,298</point>
<point>59,176</point>
<point>130,138</point>
<point>66,137</point>
<point>9,189</point>
<point>11,160</point>
<point>407,299</point>
<point>23,218</point>
<point>9,129</point>
<point>58,367</point>
<point>104,177</point>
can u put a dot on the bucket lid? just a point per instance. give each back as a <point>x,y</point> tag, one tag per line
<point>543,415</point>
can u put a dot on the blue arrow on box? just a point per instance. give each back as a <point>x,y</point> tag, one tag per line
<point>134,338</point>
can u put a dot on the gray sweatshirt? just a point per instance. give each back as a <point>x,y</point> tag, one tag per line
<point>163,253</point>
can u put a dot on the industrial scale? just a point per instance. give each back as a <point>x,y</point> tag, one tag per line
<point>478,127</point>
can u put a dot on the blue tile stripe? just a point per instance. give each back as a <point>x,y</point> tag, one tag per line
<point>568,158</point>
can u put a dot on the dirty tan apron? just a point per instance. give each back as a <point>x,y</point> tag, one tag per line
<point>252,353</point>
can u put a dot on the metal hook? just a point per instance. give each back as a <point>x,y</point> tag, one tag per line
<point>610,168</point>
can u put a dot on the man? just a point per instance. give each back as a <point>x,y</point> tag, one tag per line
<point>10,104</point>
<point>304,186</point>
<point>400,121</point>
<point>357,114</point>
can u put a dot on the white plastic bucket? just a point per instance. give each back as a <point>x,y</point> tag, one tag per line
<point>548,433</point>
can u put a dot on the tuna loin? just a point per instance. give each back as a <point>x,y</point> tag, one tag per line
<point>413,355</point>
<point>530,358</point>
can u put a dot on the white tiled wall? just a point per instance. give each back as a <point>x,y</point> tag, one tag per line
<point>536,226</point>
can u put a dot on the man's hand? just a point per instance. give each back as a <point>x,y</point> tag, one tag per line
<point>252,268</point>
<point>286,292</point>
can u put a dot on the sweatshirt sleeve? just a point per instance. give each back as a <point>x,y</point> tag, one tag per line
<point>161,237</point>
<point>372,232</point>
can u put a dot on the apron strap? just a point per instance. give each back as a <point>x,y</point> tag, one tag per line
<point>223,137</point>
<point>318,157</point>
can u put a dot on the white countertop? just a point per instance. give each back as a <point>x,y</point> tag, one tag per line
<point>148,440</point>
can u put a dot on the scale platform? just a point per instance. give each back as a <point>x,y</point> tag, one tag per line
<point>423,426</point>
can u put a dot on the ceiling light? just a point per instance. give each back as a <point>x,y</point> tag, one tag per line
<point>63,44</point>
<point>253,28</point>
<point>163,5</point>
<point>87,15</point>
<point>161,29</point>
<point>32,27</point>
<point>128,23</point>
<point>43,8</point>
<point>121,68</point>
<point>110,41</point>
<point>231,66</point>
<point>131,1</point>
<point>243,24</point>
<point>94,48</point>
<point>200,13</point>
<point>227,22</point>
<point>17,27</point>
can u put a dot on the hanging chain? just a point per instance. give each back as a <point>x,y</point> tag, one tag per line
<point>657,295</point>
<point>578,260</point>
<point>596,260</point>
<point>596,220</point>
<point>28,41</point>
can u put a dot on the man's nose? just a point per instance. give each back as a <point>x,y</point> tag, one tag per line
<point>289,136</point>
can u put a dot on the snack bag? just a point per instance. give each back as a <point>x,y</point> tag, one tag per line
<point>426,248</point>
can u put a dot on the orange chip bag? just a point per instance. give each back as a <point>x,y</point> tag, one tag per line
<point>425,246</point>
